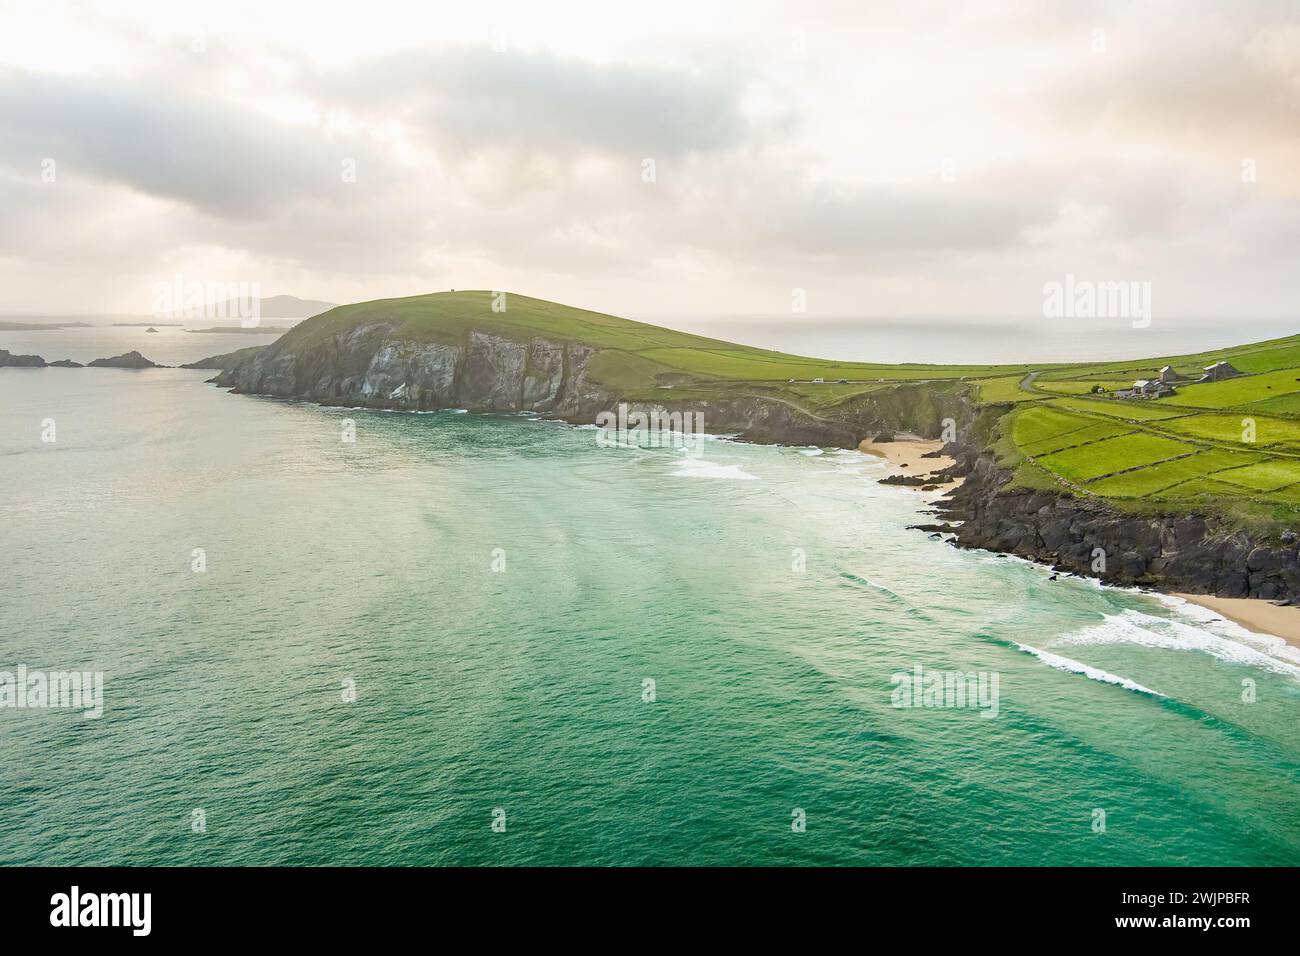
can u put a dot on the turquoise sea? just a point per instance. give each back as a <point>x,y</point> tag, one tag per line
<point>500,590</point>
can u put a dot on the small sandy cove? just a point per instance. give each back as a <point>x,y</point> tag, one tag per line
<point>1262,617</point>
<point>905,455</point>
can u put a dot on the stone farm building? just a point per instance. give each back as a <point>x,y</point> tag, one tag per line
<point>1218,372</point>
<point>1147,388</point>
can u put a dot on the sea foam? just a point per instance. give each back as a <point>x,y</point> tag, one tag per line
<point>1094,673</point>
<point>1147,630</point>
<point>699,468</point>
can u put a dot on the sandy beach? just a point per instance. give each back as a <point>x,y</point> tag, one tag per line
<point>1262,617</point>
<point>905,455</point>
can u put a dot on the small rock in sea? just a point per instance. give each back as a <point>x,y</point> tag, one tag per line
<point>1053,577</point>
<point>125,360</point>
<point>912,480</point>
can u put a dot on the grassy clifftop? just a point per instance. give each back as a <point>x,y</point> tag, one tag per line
<point>1231,446</point>
<point>635,357</point>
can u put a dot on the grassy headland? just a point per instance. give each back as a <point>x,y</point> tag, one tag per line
<point>1231,447</point>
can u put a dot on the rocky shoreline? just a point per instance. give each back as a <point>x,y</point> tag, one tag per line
<point>1193,553</point>
<point>369,367</point>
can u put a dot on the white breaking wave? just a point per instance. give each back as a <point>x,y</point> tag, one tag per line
<point>699,468</point>
<point>1147,630</point>
<point>853,457</point>
<point>811,452</point>
<point>880,587</point>
<point>1094,673</point>
<point>1275,646</point>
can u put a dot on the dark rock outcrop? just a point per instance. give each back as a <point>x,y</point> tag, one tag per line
<point>125,360</point>
<point>914,481</point>
<point>66,363</point>
<point>9,360</point>
<point>367,366</point>
<point>1195,553</point>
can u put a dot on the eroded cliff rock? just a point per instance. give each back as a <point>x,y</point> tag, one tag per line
<point>1196,553</point>
<point>368,366</point>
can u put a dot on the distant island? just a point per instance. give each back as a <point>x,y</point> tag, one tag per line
<point>270,307</point>
<point>6,326</point>
<point>240,330</point>
<point>125,360</point>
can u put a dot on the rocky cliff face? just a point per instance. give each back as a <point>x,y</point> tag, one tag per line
<point>369,366</point>
<point>1192,553</point>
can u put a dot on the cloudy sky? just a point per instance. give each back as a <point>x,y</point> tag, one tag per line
<point>888,158</point>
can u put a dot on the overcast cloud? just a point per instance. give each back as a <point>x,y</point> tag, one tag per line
<point>898,159</point>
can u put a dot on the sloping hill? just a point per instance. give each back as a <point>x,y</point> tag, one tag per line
<point>1231,446</point>
<point>633,355</point>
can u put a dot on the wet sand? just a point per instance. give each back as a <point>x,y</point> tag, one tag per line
<point>905,456</point>
<point>1262,617</point>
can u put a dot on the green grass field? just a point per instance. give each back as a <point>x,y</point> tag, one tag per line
<point>1249,430</point>
<point>1154,478</point>
<point>1230,445</point>
<point>1106,456</point>
<point>1233,445</point>
<point>1128,411</point>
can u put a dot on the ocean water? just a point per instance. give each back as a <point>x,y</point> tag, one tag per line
<point>962,340</point>
<point>499,589</point>
<point>168,346</point>
<point>942,339</point>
